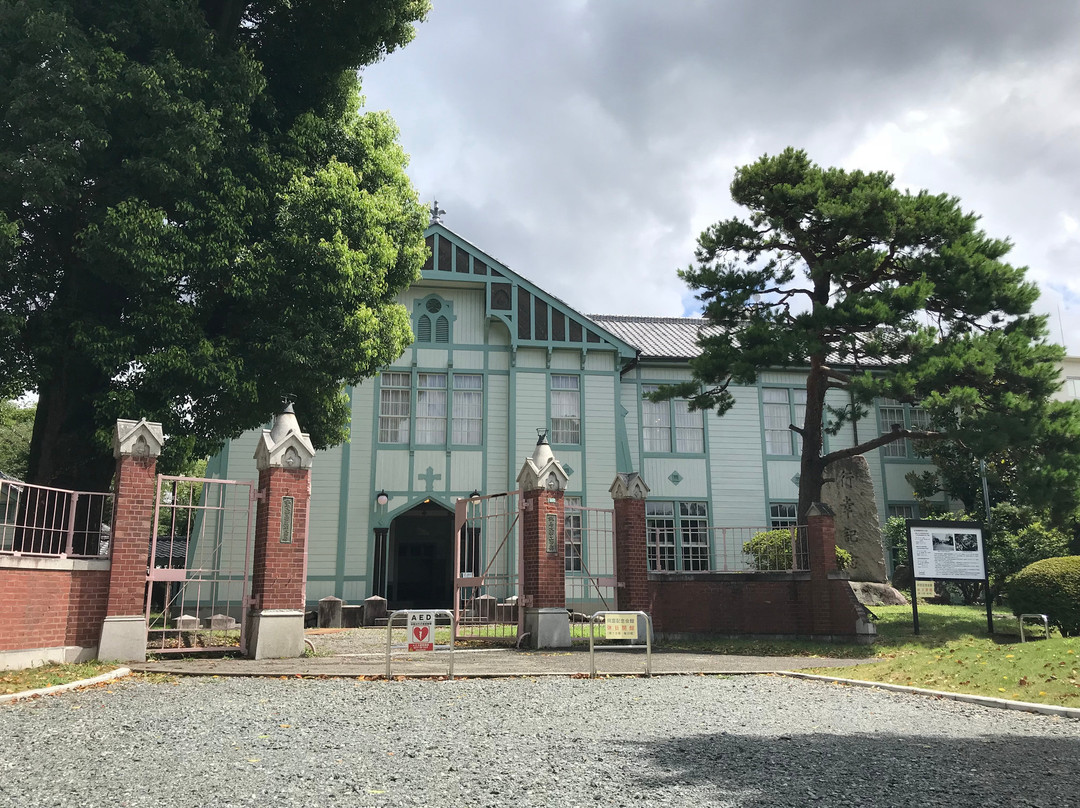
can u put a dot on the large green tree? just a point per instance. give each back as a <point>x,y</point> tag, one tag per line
<point>877,292</point>
<point>197,220</point>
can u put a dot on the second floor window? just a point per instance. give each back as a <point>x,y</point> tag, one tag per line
<point>394,408</point>
<point>566,409</point>
<point>431,408</point>
<point>893,412</point>
<point>781,407</point>
<point>656,419</point>
<point>468,409</point>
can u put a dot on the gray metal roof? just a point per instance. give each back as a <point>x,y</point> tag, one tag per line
<point>656,337</point>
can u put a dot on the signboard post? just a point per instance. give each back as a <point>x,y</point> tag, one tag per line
<point>950,550</point>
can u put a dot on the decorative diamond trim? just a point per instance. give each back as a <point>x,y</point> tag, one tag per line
<point>568,469</point>
<point>675,477</point>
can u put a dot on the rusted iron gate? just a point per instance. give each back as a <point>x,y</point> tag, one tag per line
<point>591,581</point>
<point>198,589</point>
<point>488,567</point>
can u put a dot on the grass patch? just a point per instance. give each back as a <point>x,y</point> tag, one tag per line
<point>49,675</point>
<point>756,646</point>
<point>953,653</point>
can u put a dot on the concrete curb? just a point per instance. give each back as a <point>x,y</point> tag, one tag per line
<point>48,691</point>
<point>983,701</point>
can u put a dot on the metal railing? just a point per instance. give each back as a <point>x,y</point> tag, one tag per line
<point>427,615</point>
<point>36,520</point>
<point>629,635</point>
<point>747,549</point>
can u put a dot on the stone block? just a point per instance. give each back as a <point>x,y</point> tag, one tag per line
<point>352,616</point>
<point>330,612</point>
<point>187,622</point>
<point>374,610</point>
<point>221,622</point>
<point>485,608</point>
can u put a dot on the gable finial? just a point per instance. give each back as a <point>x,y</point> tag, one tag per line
<point>436,212</point>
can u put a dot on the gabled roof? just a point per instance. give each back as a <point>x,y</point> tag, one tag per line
<point>657,337</point>
<point>533,316</point>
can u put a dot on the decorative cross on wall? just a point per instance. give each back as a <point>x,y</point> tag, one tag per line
<point>429,477</point>
<point>436,214</point>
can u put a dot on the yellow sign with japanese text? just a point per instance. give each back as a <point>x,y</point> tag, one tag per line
<point>621,626</point>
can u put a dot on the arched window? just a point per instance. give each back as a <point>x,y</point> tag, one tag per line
<point>433,318</point>
<point>423,329</point>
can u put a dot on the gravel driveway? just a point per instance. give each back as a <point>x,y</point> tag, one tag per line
<point>740,741</point>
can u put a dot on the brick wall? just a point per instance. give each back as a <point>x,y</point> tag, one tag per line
<point>544,586</point>
<point>50,603</point>
<point>133,522</point>
<point>816,603</point>
<point>279,571</point>
<point>631,557</point>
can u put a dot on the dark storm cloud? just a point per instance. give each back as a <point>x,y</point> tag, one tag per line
<point>586,143</point>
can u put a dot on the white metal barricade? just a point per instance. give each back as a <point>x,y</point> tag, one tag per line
<point>410,616</point>
<point>592,639</point>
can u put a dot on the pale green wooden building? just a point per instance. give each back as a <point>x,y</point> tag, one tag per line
<point>495,358</point>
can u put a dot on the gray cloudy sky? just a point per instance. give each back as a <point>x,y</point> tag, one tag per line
<point>587,144</point>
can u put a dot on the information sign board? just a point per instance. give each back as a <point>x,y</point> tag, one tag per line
<point>621,626</point>
<point>925,589</point>
<point>421,630</point>
<point>947,551</point>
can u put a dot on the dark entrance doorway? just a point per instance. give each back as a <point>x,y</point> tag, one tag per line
<point>421,558</point>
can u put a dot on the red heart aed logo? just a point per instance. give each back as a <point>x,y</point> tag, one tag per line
<point>420,633</point>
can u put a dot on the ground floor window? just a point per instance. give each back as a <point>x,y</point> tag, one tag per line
<point>783,514</point>
<point>677,536</point>
<point>572,533</point>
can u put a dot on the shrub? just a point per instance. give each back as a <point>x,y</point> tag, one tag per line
<point>1050,587</point>
<point>771,550</point>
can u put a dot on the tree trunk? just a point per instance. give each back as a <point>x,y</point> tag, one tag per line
<point>64,452</point>
<point>811,468</point>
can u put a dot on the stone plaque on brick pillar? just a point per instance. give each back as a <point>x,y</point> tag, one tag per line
<point>136,446</point>
<point>849,491</point>
<point>631,558</point>
<point>543,589</point>
<point>283,457</point>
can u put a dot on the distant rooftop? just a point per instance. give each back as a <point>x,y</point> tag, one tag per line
<point>656,337</point>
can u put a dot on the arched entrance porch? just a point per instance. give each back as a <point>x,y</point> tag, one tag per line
<point>421,558</point>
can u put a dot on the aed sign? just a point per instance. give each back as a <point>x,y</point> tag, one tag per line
<point>621,626</point>
<point>421,628</point>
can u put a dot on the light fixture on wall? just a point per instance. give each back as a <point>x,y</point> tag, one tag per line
<point>382,498</point>
<point>475,494</point>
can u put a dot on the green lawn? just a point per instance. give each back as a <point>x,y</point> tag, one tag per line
<point>49,675</point>
<point>954,653</point>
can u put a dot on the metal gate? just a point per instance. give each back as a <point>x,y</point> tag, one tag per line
<point>591,581</point>
<point>488,567</point>
<point>198,590</point>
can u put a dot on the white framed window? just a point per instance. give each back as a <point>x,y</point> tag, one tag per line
<point>688,435</point>
<point>572,533</point>
<point>431,408</point>
<point>394,407</point>
<point>694,536</point>
<point>677,536</point>
<point>655,422</point>
<point>468,409</point>
<point>903,511</point>
<point>781,407</point>
<point>566,409</point>
<point>783,514</point>
<point>907,416</point>
<point>660,536</point>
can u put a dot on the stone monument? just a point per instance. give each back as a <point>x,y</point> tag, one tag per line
<point>849,491</point>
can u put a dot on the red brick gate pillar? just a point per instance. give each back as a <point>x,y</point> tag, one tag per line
<point>279,572</point>
<point>136,445</point>
<point>834,609</point>
<point>543,591</point>
<point>631,560</point>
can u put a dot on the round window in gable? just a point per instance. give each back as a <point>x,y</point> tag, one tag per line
<point>434,306</point>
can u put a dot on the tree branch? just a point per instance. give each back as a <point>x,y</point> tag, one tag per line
<point>897,433</point>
